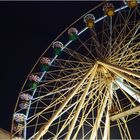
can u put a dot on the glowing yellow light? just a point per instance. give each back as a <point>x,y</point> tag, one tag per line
<point>132,3</point>
<point>110,13</point>
<point>90,24</point>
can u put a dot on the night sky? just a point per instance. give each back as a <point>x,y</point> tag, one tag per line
<point>26,30</point>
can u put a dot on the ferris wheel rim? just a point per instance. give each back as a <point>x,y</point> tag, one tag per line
<point>68,43</point>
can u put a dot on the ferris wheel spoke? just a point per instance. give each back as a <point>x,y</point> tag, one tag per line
<point>128,55</point>
<point>119,51</point>
<point>107,35</point>
<point>125,127</point>
<point>109,106</point>
<point>67,122</point>
<point>86,103</point>
<point>55,102</point>
<point>60,78</point>
<point>127,58</point>
<point>89,51</point>
<point>108,31</point>
<point>125,113</point>
<point>120,18</point>
<point>122,33</point>
<point>78,56</point>
<point>37,120</point>
<point>66,78</point>
<point>99,116</point>
<point>132,61</point>
<point>44,128</point>
<point>81,102</point>
<point>41,112</point>
<point>122,130</point>
<point>85,115</point>
<point>98,47</point>
<point>111,66</point>
<point>66,71</point>
<point>53,92</point>
<point>131,64</point>
<point>134,29</point>
<point>106,129</point>
<point>77,69</point>
<point>126,38</point>
<point>124,76</point>
<point>65,64</point>
<point>57,90</point>
<point>76,126</point>
<point>73,62</point>
<point>110,39</point>
<point>90,44</point>
<point>128,44</point>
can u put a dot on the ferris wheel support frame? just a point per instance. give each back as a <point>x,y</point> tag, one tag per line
<point>84,117</point>
<point>99,117</point>
<point>107,122</point>
<point>112,66</point>
<point>125,113</point>
<point>81,102</point>
<point>132,92</point>
<point>121,74</point>
<point>119,9</point>
<point>45,127</point>
<point>119,71</point>
<point>115,69</point>
<point>107,125</point>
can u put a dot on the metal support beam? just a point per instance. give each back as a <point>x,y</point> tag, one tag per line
<point>124,76</point>
<point>131,91</point>
<point>71,128</point>
<point>112,66</point>
<point>99,117</point>
<point>125,113</point>
<point>84,117</point>
<point>107,122</point>
<point>43,130</point>
<point>107,125</point>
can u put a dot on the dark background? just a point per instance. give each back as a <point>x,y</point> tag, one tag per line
<point>26,30</point>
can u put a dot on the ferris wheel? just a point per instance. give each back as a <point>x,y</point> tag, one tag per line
<point>87,82</point>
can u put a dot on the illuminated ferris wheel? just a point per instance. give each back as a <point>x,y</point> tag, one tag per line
<point>87,82</point>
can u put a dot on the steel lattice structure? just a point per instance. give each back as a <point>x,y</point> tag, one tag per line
<point>90,84</point>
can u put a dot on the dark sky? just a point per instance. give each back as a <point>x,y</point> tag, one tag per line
<point>26,29</point>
